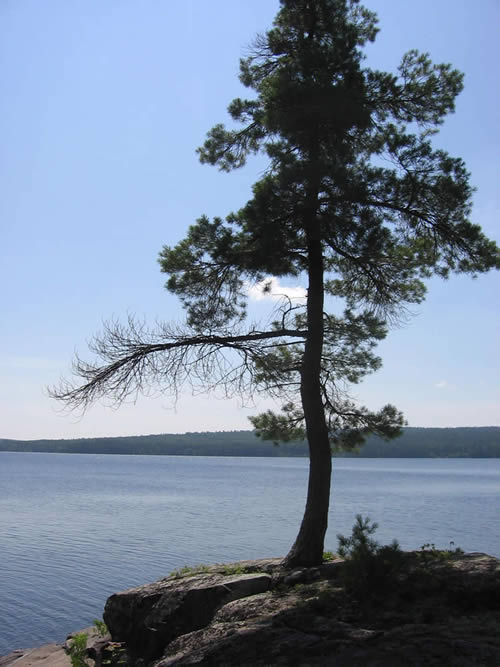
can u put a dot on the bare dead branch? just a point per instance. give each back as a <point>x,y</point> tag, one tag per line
<point>132,360</point>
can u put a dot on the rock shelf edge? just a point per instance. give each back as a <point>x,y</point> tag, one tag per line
<point>256,613</point>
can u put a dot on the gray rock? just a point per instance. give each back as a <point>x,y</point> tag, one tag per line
<point>48,655</point>
<point>316,624</point>
<point>53,655</point>
<point>261,631</point>
<point>147,618</point>
<point>441,612</point>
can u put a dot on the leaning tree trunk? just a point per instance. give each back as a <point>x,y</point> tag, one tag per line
<point>308,547</point>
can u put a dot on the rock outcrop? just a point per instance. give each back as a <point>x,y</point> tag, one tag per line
<point>56,655</point>
<point>448,614</point>
<point>435,611</point>
<point>149,617</point>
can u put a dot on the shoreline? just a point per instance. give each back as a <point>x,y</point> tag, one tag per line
<point>51,654</point>
<point>258,613</point>
<point>414,442</point>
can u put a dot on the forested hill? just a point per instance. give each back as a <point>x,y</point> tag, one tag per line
<point>475,442</point>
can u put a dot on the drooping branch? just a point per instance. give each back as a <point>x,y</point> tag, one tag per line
<point>131,359</point>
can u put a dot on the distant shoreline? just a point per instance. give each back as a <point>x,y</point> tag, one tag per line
<point>416,442</point>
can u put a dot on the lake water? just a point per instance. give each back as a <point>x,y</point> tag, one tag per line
<point>76,528</point>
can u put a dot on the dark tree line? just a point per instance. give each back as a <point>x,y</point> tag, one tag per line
<point>474,442</point>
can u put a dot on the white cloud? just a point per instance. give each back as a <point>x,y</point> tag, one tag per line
<point>444,384</point>
<point>270,288</point>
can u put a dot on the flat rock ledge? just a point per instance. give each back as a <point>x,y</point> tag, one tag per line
<point>149,617</point>
<point>257,614</point>
<point>54,655</point>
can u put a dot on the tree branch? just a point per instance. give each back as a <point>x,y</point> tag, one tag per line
<point>132,360</point>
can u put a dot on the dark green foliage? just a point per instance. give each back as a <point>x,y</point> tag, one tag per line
<point>428,554</point>
<point>475,442</point>
<point>369,568</point>
<point>78,650</point>
<point>101,627</point>
<point>189,570</point>
<point>375,574</point>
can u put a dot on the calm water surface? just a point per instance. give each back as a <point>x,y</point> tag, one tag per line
<point>76,528</point>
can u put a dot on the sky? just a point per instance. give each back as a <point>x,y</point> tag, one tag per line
<point>102,107</point>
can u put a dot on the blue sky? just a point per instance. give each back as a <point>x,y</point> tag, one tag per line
<point>103,105</point>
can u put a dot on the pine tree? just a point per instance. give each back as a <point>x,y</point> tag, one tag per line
<point>355,200</point>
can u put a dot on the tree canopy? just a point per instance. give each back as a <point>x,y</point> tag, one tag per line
<point>355,202</point>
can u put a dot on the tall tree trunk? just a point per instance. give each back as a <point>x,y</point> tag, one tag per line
<point>308,547</point>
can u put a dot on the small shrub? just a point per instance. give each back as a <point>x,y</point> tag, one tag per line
<point>328,555</point>
<point>234,569</point>
<point>188,570</point>
<point>101,627</point>
<point>359,542</point>
<point>369,567</point>
<point>78,650</point>
<point>429,554</point>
